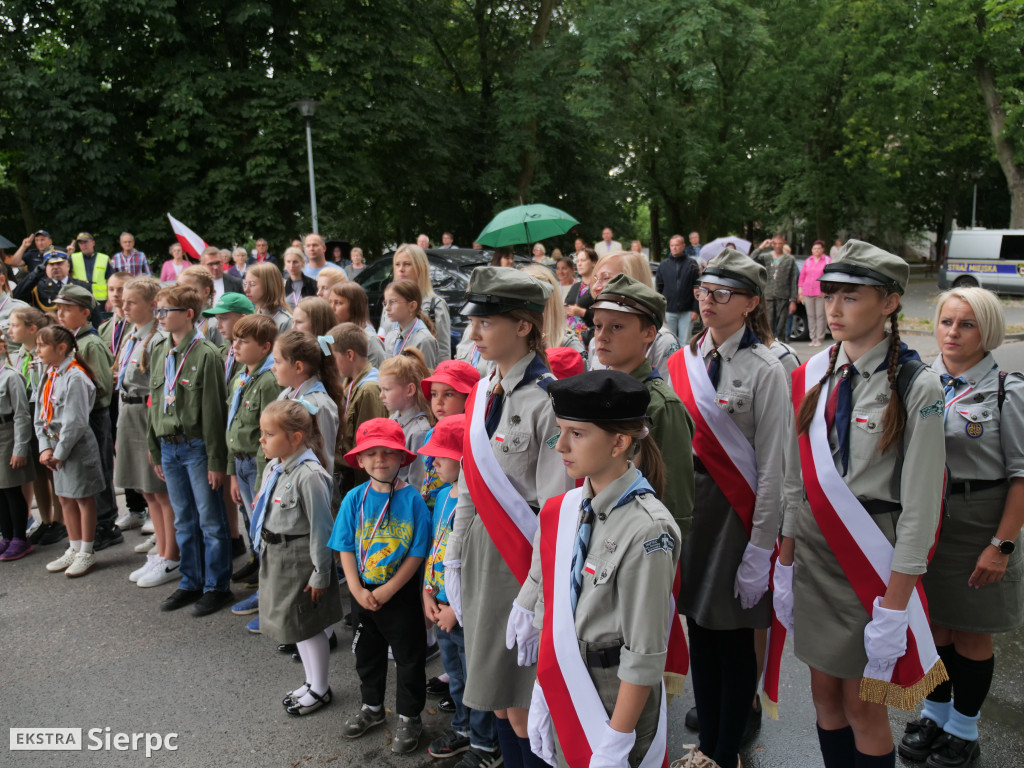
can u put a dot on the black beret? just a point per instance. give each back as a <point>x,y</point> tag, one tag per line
<point>599,396</point>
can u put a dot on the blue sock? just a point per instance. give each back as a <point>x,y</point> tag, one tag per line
<point>962,726</point>
<point>937,711</point>
<point>511,752</point>
<point>530,760</point>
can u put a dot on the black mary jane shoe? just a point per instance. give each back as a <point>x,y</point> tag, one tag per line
<point>953,752</point>
<point>287,648</point>
<point>919,738</point>
<point>289,698</point>
<point>319,701</point>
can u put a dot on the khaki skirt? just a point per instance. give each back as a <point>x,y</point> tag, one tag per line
<point>967,528</point>
<point>131,461</point>
<point>287,612</point>
<point>494,679</point>
<point>12,478</point>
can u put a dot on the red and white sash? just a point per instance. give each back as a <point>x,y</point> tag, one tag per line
<point>509,520</point>
<point>730,460</point>
<point>576,709</point>
<point>863,552</point>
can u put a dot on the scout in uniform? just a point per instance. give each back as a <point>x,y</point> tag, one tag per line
<point>872,454</point>
<point>736,391</point>
<point>510,468</point>
<point>974,581</point>
<point>18,467</point>
<point>186,441</point>
<point>601,581</point>
<point>621,343</point>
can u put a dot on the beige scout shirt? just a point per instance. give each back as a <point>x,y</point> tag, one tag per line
<point>635,550</point>
<point>753,389</point>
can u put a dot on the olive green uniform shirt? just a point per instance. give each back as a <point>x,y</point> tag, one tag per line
<point>96,354</point>
<point>243,433</point>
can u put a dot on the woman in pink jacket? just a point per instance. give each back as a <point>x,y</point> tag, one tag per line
<point>810,291</point>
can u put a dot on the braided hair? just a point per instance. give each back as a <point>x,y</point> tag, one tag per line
<point>55,335</point>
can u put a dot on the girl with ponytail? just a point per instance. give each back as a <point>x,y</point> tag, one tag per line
<point>870,420</point>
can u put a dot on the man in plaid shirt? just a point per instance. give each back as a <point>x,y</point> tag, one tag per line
<point>130,260</point>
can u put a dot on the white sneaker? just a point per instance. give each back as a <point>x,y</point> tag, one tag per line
<point>130,520</point>
<point>81,565</point>
<point>164,571</point>
<point>146,545</point>
<point>151,561</point>
<point>63,562</point>
<point>147,527</point>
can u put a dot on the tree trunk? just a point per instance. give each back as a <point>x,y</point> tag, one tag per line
<point>1005,149</point>
<point>528,157</point>
<point>655,244</point>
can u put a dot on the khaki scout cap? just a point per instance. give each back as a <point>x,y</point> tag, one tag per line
<point>862,263</point>
<point>624,294</point>
<point>734,270</point>
<point>497,290</point>
<point>76,295</point>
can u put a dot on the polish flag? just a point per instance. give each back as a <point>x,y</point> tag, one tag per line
<point>190,241</point>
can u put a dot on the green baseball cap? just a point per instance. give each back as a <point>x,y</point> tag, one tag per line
<point>77,296</point>
<point>230,302</point>
<point>497,290</point>
<point>861,263</point>
<point>624,294</point>
<point>734,270</point>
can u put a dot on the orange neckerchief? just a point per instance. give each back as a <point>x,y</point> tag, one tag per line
<point>51,376</point>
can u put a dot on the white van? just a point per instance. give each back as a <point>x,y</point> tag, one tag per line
<point>991,258</point>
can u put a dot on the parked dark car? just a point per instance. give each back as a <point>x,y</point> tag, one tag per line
<point>450,269</point>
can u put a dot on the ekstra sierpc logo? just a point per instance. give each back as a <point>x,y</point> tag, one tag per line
<point>96,740</point>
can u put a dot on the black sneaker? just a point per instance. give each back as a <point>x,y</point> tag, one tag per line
<point>54,532</point>
<point>180,598</point>
<point>691,721</point>
<point>247,570</point>
<point>919,737</point>
<point>36,536</point>
<point>953,752</point>
<point>238,547</point>
<point>436,687</point>
<point>212,602</point>
<point>448,744</point>
<point>480,758</point>
<point>446,704</point>
<point>253,582</point>
<point>107,537</point>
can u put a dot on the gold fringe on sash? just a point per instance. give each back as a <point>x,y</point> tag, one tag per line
<point>770,707</point>
<point>674,683</point>
<point>893,695</point>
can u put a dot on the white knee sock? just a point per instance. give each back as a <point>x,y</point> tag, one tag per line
<point>315,655</point>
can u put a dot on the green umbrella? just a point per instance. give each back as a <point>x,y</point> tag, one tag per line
<point>525,224</point>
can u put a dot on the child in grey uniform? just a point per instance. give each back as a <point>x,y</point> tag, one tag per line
<point>17,470</point>
<point>67,446</point>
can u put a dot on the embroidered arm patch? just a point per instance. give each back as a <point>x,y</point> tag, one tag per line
<point>935,409</point>
<point>665,543</point>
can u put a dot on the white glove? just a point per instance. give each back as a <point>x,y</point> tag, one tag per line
<point>782,595</point>
<point>520,631</point>
<point>752,576</point>
<point>540,729</point>
<point>613,748</point>
<point>885,640</point>
<point>453,586</point>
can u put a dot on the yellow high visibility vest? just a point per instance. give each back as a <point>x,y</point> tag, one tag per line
<point>99,273</point>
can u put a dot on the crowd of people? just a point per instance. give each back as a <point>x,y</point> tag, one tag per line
<point>604,451</point>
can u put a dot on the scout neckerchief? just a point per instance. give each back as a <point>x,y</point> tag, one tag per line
<point>171,373</point>
<point>52,374</point>
<point>509,520</point>
<point>576,709</point>
<point>126,353</point>
<point>259,506</point>
<point>444,527</point>
<point>403,336</point>
<point>357,383</point>
<point>297,393</point>
<point>730,460</point>
<point>244,378</point>
<point>116,332</point>
<point>229,363</point>
<point>863,552</point>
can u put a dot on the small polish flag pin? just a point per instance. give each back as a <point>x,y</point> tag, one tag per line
<point>589,568</point>
<point>862,419</point>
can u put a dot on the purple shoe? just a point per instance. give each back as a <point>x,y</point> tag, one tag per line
<point>4,544</point>
<point>16,550</point>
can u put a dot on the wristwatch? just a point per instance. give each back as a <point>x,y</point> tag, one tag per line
<point>1005,546</point>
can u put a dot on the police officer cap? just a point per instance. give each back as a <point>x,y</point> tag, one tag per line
<point>76,295</point>
<point>497,290</point>
<point>53,256</point>
<point>82,236</point>
<point>861,263</point>
<point>599,396</point>
<point>734,270</point>
<point>624,294</point>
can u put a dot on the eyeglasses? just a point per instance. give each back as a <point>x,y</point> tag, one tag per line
<point>161,312</point>
<point>720,296</point>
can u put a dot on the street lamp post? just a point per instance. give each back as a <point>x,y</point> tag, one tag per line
<point>307,107</point>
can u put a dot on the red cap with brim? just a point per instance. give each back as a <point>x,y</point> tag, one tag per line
<point>457,374</point>
<point>565,362</point>
<point>446,440</point>
<point>380,433</point>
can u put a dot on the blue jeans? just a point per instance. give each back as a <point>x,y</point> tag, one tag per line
<point>245,475</point>
<point>200,522</point>
<point>482,726</point>
<point>679,323</point>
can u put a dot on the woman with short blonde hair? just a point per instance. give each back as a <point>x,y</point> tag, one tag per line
<point>410,263</point>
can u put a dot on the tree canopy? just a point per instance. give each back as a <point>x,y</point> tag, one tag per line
<point>871,118</point>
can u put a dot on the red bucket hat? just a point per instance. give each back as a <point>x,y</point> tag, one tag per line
<point>565,362</point>
<point>446,440</point>
<point>380,433</point>
<point>457,374</point>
